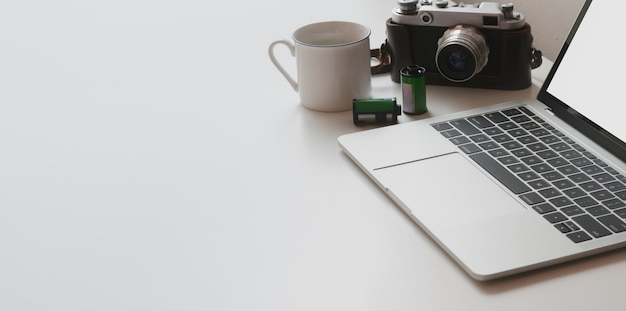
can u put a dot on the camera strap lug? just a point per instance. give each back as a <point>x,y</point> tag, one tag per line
<point>535,58</point>
<point>383,57</point>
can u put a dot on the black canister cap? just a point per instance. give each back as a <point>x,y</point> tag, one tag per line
<point>413,71</point>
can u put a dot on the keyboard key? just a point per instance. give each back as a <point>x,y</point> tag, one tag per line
<point>552,176</point>
<point>459,140</point>
<point>604,177</point>
<point>600,162</point>
<point>531,198</point>
<point>541,168</point>
<point>547,154</point>
<point>578,178</point>
<point>555,217</point>
<point>560,146</point>
<point>556,162</point>
<point>568,169</point>
<point>591,186</point>
<point>488,145</point>
<point>480,122</point>
<point>585,201</point>
<point>465,127</point>
<point>526,111</point>
<point>508,160</point>
<point>550,139</point>
<point>579,236</point>
<point>570,154</point>
<point>470,148</point>
<point>526,176</point>
<point>615,186</point>
<point>591,225</point>
<point>511,145</point>
<point>566,227</point>
<point>602,195</point>
<point>543,208</point>
<point>521,119</point>
<point>532,160</point>
<point>500,173</point>
<point>527,140</point>
<point>613,223</point>
<point>507,126</point>
<point>597,210</point>
<point>574,192</point>
<point>540,132</point>
<point>537,147</point>
<point>442,126</point>
<point>491,131</point>
<point>529,126</point>
<point>539,184</point>
<point>592,169</point>
<point>563,184</point>
<point>498,153</point>
<point>572,210</point>
<point>561,201</point>
<point>581,162</point>
<point>511,112</point>
<point>517,132</point>
<point>549,193</point>
<point>522,152</point>
<point>518,168</point>
<point>451,133</point>
<point>613,204</point>
<point>481,138</point>
<point>496,117</point>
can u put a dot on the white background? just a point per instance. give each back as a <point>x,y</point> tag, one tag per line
<point>152,158</point>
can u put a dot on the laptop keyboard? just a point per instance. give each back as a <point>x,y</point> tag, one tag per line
<point>582,196</point>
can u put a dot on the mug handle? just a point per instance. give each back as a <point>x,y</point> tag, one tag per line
<point>282,70</point>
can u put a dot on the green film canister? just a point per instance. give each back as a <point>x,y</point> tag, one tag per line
<point>413,89</point>
<point>375,110</point>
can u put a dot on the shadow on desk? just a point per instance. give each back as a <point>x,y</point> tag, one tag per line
<point>562,270</point>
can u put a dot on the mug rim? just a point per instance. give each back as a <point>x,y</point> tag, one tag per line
<point>364,35</point>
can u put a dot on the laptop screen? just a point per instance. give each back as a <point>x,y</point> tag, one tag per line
<point>586,88</point>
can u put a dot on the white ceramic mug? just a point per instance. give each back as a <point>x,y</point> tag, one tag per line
<point>332,63</point>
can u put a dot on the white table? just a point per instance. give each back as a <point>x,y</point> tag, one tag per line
<point>151,158</point>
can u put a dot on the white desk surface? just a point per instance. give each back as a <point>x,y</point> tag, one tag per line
<point>152,158</point>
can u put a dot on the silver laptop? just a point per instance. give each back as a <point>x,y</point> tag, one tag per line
<point>525,184</point>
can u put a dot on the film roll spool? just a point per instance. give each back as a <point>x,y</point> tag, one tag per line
<point>413,89</point>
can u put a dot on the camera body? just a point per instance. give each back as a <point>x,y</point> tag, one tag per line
<point>485,45</point>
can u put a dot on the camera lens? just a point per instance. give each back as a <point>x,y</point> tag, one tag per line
<point>462,53</point>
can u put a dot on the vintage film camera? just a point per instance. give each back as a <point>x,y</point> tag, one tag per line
<point>485,45</point>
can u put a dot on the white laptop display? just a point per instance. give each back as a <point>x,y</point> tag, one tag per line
<point>520,185</point>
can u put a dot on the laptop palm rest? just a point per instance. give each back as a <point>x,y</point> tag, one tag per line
<point>452,191</point>
<point>467,213</point>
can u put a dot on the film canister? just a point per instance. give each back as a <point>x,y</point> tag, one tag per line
<point>375,110</point>
<point>413,89</point>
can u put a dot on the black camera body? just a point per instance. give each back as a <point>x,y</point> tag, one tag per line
<point>487,45</point>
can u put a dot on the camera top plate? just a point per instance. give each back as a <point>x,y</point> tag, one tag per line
<point>440,13</point>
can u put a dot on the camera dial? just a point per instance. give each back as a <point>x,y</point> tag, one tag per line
<point>462,52</point>
<point>407,7</point>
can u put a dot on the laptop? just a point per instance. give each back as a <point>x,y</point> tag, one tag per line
<point>521,185</point>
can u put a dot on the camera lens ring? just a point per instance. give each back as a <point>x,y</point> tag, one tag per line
<point>462,53</point>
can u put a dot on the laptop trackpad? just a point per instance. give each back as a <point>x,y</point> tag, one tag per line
<point>447,190</point>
